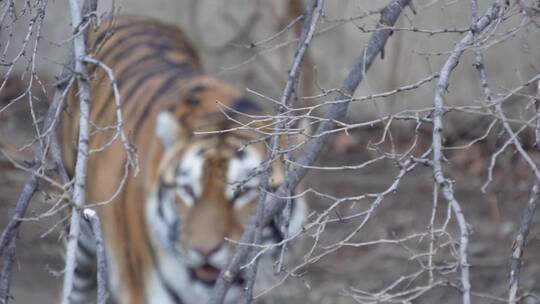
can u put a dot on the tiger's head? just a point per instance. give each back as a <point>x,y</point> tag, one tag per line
<point>206,187</point>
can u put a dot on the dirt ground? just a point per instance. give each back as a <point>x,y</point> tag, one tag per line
<point>493,219</point>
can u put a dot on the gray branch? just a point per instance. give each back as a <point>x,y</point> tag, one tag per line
<point>527,216</point>
<point>519,242</point>
<point>438,113</point>
<point>79,189</point>
<point>7,265</point>
<point>102,282</point>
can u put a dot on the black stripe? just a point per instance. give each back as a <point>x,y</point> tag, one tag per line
<point>83,289</point>
<point>157,70</point>
<point>137,45</point>
<point>184,69</point>
<point>128,72</point>
<point>174,227</point>
<point>161,66</point>
<point>84,285</point>
<point>113,29</point>
<point>161,191</point>
<point>86,241</point>
<point>88,272</point>
<point>180,73</point>
<point>153,39</point>
<point>122,42</point>
<point>116,30</point>
<point>170,290</point>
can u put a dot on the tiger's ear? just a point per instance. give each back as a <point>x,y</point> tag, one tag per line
<point>167,129</point>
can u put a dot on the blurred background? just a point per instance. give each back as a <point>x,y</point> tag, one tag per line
<point>227,36</point>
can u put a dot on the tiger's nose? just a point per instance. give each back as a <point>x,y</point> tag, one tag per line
<point>207,250</point>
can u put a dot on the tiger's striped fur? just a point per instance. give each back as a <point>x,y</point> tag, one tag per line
<point>165,230</point>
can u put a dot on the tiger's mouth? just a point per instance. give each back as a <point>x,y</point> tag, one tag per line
<point>208,275</point>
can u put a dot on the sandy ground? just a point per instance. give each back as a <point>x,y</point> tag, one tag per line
<point>493,221</point>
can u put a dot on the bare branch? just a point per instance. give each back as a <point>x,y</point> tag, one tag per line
<point>79,190</point>
<point>519,243</point>
<point>102,281</point>
<point>5,274</point>
<point>438,112</point>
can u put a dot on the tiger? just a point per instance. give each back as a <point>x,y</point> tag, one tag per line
<point>170,229</point>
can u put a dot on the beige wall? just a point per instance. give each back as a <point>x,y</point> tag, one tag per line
<point>209,24</point>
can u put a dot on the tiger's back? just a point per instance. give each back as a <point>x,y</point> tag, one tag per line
<point>147,58</point>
